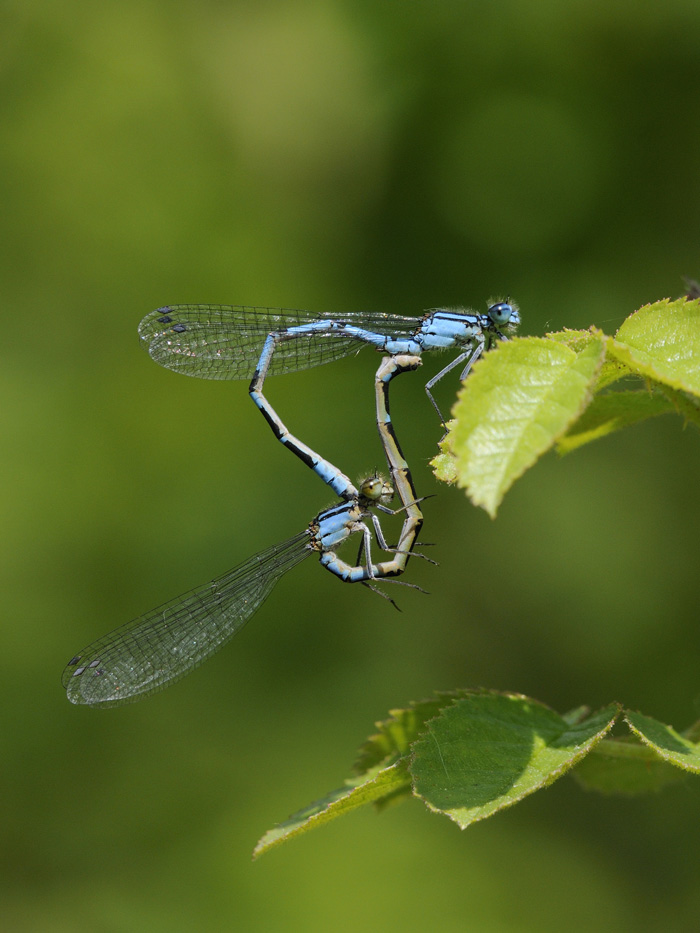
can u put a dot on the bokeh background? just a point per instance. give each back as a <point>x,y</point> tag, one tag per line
<point>333,156</point>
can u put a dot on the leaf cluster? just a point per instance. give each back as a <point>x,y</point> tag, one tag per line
<point>567,389</point>
<point>471,753</point>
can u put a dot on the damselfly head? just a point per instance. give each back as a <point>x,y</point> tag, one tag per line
<point>504,314</point>
<point>376,489</point>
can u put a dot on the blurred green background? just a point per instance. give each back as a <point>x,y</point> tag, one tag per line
<point>331,156</point>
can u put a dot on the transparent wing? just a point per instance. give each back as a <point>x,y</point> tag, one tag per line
<point>225,341</point>
<point>151,652</point>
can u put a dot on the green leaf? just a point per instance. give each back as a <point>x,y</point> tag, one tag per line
<point>520,401</point>
<point>576,340</point>
<point>470,753</point>
<point>517,402</point>
<point>398,731</point>
<point>662,342</point>
<point>610,371</point>
<point>444,464</point>
<point>608,770</point>
<point>611,412</point>
<point>574,716</point>
<point>692,733</point>
<point>383,783</point>
<point>686,405</point>
<point>488,750</point>
<point>382,768</point>
<point>665,741</point>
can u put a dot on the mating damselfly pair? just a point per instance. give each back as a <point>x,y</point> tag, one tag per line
<point>236,342</point>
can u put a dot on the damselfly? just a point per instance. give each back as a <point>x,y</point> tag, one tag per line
<point>158,648</point>
<point>239,342</point>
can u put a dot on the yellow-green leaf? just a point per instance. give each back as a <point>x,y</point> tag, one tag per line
<point>662,341</point>
<point>517,402</point>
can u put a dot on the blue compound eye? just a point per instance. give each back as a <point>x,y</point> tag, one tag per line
<point>501,312</point>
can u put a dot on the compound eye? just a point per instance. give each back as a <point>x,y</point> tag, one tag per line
<point>376,489</point>
<point>500,313</point>
<point>371,488</point>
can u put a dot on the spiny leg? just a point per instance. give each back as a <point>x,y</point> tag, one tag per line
<point>471,356</point>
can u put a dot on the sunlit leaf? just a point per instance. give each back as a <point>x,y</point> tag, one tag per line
<point>576,340</point>
<point>515,405</point>
<point>444,464</point>
<point>612,369</point>
<point>662,341</point>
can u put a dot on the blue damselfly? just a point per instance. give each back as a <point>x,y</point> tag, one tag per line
<point>239,342</point>
<point>156,649</point>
